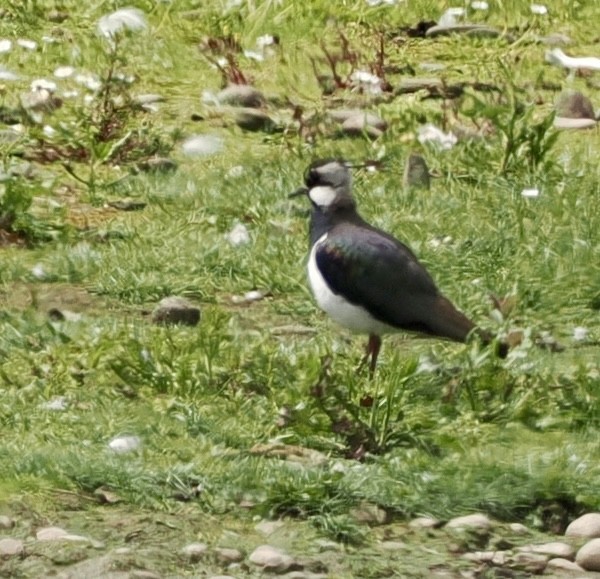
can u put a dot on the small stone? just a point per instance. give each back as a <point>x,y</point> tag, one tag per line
<point>556,39</point>
<point>144,574</point>
<point>327,545</point>
<point>124,444</point>
<point>148,99</point>
<point>553,549</point>
<point>564,564</point>
<point>127,204</point>
<point>518,528</point>
<point>202,145</point>
<point>158,164</point>
<point>425,523</point>
<point>416,173</point>
<point>370,514</point>
<point>475,521</point>
<point>40,100</point>
<point>530,562</point>
<point>6,522</point>
<point>241,95</point>
<point>50,534</point>
<point>251,119</point>
<point>588,556</point>
<point>480,556</point>
<point>477,30</point>
<point>176,310</point>
<point>238,235</point>
<point>574,105</point>
<point>364,124</point>
<point>587,525</point>
<point>57,16</point>
<point>227,555</point>
<point>393,545</point>
<point>195,551</point>
<point>268,527</point>
<point>11,547</point>
<point>271,559</point>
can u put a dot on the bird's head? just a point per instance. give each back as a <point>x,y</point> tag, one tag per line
<point>328,184</point>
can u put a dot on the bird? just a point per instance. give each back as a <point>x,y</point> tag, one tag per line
<point>364,278</point>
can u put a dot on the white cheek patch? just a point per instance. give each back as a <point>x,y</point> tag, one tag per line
<point>322,196</point>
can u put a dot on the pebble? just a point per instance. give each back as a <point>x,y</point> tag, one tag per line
<point>123,444</point>
<point>574,105</point>
<point>370,514</point>
<point>587,525</point>
<point>176,310</point>
<point>58,534</point>
<point>424,523</point>
<point>202,145</point>
<point>40,100</point>
<point>475,521</point>
<point>416,173</point>
<point>195,551</point>
<point>227,555</point>
<point>158,164</point>
<point>271,559</point>
<point>144,574</point>
<point>554,549</point>
<point>6,522</point>
<point>531,562</point>
<point>239,235</point>
<point>477,30</point>
<point>241,95</point>
<point>518,528</point>
<point>588,556</point>
<point>268,527</point>
<point>11,547</point>
<point>565,564</point>
<point>251,119</point>
<point>393,545</point>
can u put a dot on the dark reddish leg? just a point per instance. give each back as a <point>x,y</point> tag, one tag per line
<point>373,347</point>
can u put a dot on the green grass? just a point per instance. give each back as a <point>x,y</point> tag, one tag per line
<point>506,437</point>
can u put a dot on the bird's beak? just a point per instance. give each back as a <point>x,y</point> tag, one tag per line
<point>298,192</point>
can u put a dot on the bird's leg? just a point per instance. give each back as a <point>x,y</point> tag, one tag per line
<point>372,351</point>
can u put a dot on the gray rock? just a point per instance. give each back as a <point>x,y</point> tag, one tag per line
<point>227,555</point>
<point>393,545</point>
<point>416,173</point>
<point>588,556</point>
<point>518,528</point>
<point>477,30</point>
<point>412,85</point>
<point>176,310</point>
<point>574,105</point>
<point>271,559</point>
<point>158,165</point>
<point>11,547</point>
<point>251,119</point>
<point>95,568</point>
<point>56,534</point>
<point>268,527</point>
<point>475,521</point>
<point>564,564</point>
<point>587,525</point>
<point>424,523</point>
<point>221,577</point>
<point>241,95</point>
<point>555,39</point>
<point>6,522</point>
<point>148,99</point>
<point>370,514</point>
<point>194,552</point>
<point>553,549</point>
<point>144,574</point>
<point>364,124</point>
<point>530,562</point>
<point>327,545</point>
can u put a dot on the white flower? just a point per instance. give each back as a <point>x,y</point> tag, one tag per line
<point>49,131</point>
<point>265,40</point>
<point>580,333</point>
<point>38,271</point>
<point>479,5</point>
<point>64,72</point>
<point>202,145</point>
<point>5,45</point>
<point>122,444</point>
<point>123,19</point>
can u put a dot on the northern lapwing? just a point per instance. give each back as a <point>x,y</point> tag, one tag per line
<point>365,279</point>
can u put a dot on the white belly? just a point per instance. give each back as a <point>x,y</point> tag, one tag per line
<point>355,318</point>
